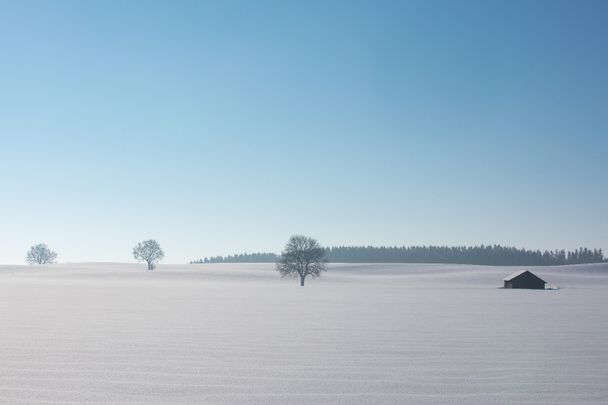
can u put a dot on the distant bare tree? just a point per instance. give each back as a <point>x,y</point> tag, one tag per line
<point>40,254</point>
<point>303,256</point>
<point>148,251</point>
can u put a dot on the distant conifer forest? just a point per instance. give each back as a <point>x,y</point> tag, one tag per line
<point>493,255</point>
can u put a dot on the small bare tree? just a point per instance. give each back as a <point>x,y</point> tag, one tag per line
<point>40,254</point>
<point>148,251</point>
<point>303,256</point>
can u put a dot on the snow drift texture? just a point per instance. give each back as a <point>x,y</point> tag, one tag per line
<point>361,334</point>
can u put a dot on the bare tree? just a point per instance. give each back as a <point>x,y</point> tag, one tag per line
<point>148,251</point>
<point>40,254</point>
<point>303,256</point>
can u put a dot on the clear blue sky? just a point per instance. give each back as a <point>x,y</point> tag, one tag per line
<point>223,127</point>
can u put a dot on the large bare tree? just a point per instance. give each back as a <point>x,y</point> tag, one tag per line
<point>148,251</point>
<point>40,254</point>
<point>303,256</point>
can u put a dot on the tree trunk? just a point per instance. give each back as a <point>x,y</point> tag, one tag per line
<point>149,265</point>
<point>302,280</point>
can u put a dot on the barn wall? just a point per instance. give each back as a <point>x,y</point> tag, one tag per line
<point>526,280</point>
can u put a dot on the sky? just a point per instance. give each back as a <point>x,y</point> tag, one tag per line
<point>225,127</point>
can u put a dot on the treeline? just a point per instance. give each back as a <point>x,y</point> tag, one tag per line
<point>486,255</point>
<point>242,258</point>
<point>494,255</point>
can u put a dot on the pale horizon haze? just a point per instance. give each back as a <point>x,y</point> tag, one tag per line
<point>225,127</point>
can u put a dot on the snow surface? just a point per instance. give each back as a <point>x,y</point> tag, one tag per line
<point>360,334</point>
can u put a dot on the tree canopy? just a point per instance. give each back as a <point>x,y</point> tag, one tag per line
<point>148,251</point>
<point>40,254</point>
<point>302,256</point>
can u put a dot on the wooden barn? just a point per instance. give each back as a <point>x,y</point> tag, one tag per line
<point>524,279</point>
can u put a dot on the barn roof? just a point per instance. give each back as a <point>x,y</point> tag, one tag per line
<point>519,273</point>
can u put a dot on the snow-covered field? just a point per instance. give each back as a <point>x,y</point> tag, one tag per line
<point>361,334</point>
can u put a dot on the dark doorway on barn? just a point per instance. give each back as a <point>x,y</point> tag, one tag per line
<point>524,279</point>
